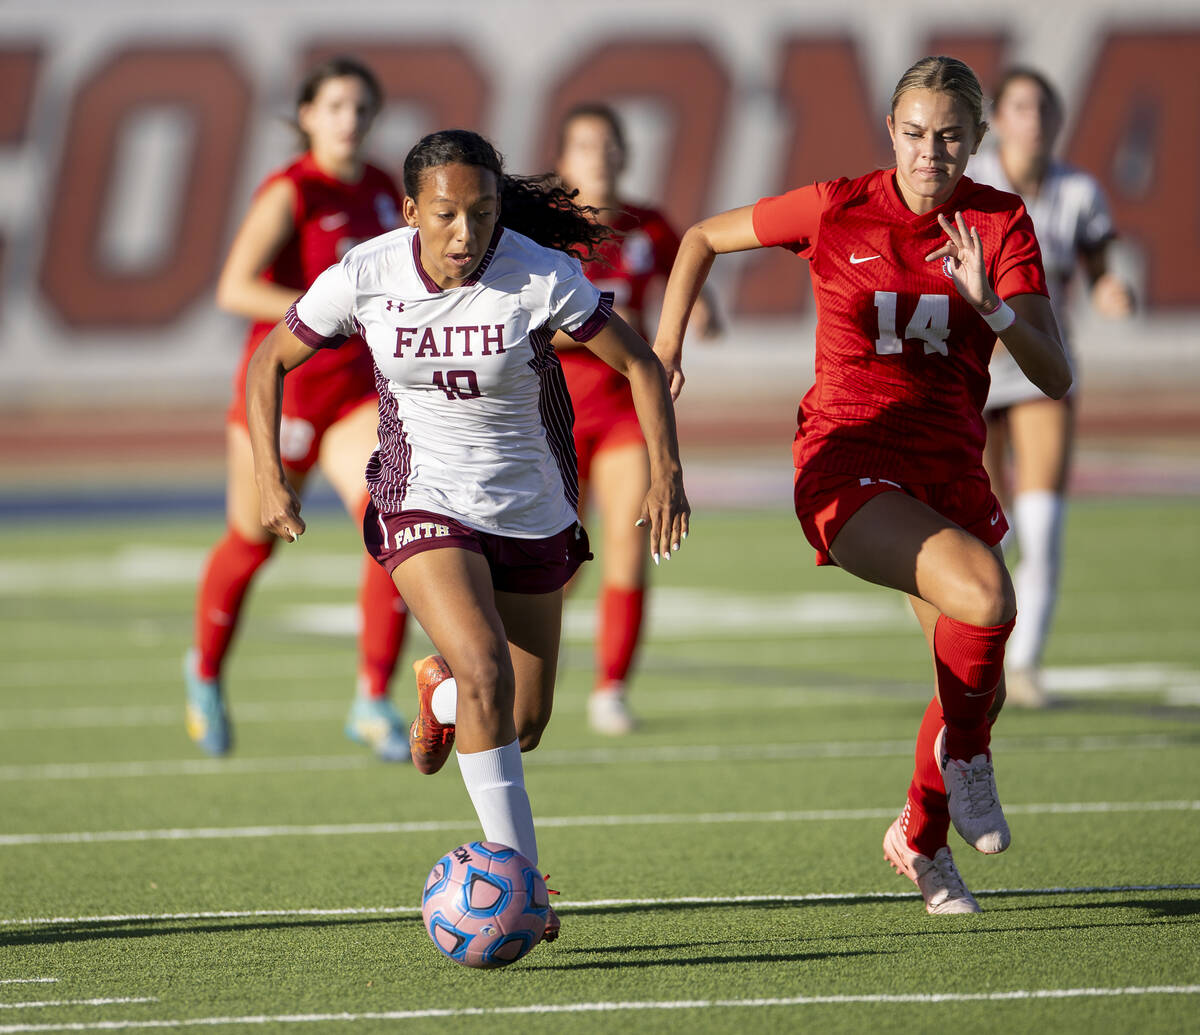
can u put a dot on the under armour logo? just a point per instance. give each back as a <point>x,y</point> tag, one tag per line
<point>397,306</point>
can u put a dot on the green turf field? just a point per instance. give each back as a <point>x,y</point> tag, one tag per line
<point>719,871</point>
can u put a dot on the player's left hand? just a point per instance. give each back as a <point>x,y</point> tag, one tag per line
<point>665,509</point>
<point>1112,297</point>
<point>963,251</point>
<point>706,320</point>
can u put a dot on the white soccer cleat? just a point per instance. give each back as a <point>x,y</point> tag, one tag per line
<point>938,879</point>
<point>972,799</point>
<point>608,712</point>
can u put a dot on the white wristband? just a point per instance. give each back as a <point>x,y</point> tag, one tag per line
<point>1001,318</point>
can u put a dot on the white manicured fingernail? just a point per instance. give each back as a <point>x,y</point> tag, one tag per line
<point>639,523</point>
<point>674,546</point>
<point>684,535</point>
<point>667,556</point>
<point>655,556</point>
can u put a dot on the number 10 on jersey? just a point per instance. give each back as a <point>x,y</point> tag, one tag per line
<point>457,384</point>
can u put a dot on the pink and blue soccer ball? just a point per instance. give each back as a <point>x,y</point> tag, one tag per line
<point>484,905</point>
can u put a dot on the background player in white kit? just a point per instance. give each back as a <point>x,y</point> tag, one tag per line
<point>474,484</point>
<point>1074,227</point>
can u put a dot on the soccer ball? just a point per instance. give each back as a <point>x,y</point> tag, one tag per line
<point>484,905</point>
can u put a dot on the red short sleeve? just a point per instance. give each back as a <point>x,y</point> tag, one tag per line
<point>666,246</point>
<point>1019,267</point>
<point>289,175</point>
<point>791,219</point>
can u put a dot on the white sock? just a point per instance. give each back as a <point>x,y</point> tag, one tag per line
<point>1009,540</point>
<point>444,701</point>
<point>495,781</point>
<point>1039,520</point>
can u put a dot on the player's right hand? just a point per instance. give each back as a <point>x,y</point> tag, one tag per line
<point>666,511</point>
<point>674,372</point>
<point>280,511</point>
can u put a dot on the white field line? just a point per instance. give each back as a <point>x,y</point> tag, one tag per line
<point>660,755</point>
<point>27,981</point>
<point>930,998</point>
<point>689,700</point>
<point>1068,680</point>
<point>568,905</point>
<point>183,767</point>
<point>465,824</point>
<point>75,1002</point>
<point>311,710</point>
<point>165,714</point>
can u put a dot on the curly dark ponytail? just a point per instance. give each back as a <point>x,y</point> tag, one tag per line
<point>537,206</point>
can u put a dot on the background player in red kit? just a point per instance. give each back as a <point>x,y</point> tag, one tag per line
<point>916,271</point>
<point>302,220</point>
<point>614,470</point>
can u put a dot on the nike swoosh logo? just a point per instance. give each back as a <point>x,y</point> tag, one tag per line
<point>995,517</point>
<point>855,260</point>
<point>334,221</point>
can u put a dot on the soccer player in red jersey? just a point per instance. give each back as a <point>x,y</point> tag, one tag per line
<point>613,466</point>
<point>916,270</point>
<point>302,220</point>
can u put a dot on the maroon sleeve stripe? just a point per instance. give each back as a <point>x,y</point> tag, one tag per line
<point>595,323</point>
<point>307,335</point>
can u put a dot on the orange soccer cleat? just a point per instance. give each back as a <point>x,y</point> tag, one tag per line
<point>430,741</point>
<point>553,924</point>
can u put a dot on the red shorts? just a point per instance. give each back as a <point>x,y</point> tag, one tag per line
<point>603,404</point>
<point>330,386</point>
<point>518,565</point>
<point>825,502</point>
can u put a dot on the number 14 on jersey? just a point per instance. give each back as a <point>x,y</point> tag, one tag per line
<point>930,322</point>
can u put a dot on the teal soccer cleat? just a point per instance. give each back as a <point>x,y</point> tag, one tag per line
<point>374,722</point>
<point>207,719</point>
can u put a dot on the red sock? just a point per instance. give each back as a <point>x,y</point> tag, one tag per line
<point>227,576</point>
<point>969,660</point>
<point>620,630</point>
<point>381,628</point>
<point>926,820</point>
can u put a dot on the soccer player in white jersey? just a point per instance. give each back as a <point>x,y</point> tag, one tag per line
<point>474,483</point>
<point>1074,228</point>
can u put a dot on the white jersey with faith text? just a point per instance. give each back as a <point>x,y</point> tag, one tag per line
<point>474,415</point>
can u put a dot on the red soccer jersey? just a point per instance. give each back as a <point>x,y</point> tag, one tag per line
<point>643,247</point>
<point>901,357</point>
<point>329,218</point>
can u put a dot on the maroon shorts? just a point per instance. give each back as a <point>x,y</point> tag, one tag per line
<point>518,565</point>
<point>825,502</point>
